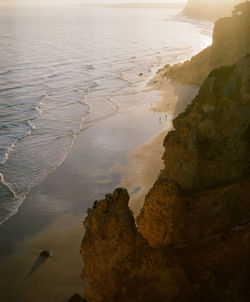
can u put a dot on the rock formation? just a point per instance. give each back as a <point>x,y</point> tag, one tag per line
<point>231,41</point>
<point>192,238</point>
<point>77,298</point>
<point>210,10</point>
<point>210,145</point>
<point>119,263</point>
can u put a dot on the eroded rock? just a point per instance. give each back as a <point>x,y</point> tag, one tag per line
<point>192,238</point>
<point>231,41</point>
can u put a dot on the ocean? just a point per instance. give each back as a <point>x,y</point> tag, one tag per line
<point>63,70</point>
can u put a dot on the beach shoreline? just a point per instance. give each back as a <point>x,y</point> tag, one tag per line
<point>61,233</point>
<point>137,167</point>
<point>52,214</point>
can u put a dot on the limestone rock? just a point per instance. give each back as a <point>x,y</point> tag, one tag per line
<point>231,41</point>
<point>209,10</point>
<point>119,265</point>
<point>210,144</point>
<point>192,238</point>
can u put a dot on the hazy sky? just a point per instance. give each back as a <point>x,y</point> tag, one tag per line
<point>63,2</point>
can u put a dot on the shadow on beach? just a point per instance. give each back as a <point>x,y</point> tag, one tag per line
<point>185,94</point>
<point>38,263</point>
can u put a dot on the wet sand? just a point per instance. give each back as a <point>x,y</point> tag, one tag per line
<point>25,276</point>
<point>145,162</point>
<point>124,149</point>
<point>52,214</point>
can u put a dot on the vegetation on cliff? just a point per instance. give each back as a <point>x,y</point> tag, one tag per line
<point>192,238</point>
<point>231,41</point>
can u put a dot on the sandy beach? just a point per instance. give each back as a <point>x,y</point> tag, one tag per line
<point>85,111</point>
<point>122,150</point>
<point>145,162</point>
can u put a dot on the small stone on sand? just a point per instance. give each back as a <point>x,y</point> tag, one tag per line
<point>77,298</point>
<point>45,254</point>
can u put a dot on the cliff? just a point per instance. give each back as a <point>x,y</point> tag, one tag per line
<point>210,10</point>
<point>231,41</point>
<point>192,238</point>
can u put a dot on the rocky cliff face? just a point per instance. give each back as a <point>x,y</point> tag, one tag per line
<point>231,41</point>
<point>210,145</point>
<point>119,263</point>
<point>211,10</point>
<point>192,238</point>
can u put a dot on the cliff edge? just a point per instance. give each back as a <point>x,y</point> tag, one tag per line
<point>192,238</point>
<point>231,41</point>
<point>210,10</point>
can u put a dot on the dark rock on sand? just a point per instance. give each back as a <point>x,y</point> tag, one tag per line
<point>77,298</point>
<point>45,254</point>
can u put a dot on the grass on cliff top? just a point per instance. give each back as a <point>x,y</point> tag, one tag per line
<point>222,72</point>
